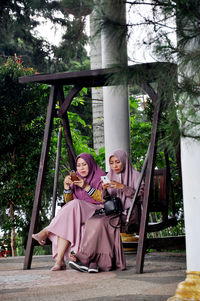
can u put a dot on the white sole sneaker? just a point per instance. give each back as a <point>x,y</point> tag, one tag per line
<point>78,266</point>
<point>93,268</point>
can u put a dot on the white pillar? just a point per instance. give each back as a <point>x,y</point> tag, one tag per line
<point>116,120</point>
<point>97,93</point>
<point>116,106</point>
<point>190,162</point>
<point>189,289</point>
<point>190,156</point>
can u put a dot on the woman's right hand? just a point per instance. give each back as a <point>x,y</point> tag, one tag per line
<point>105,186</point>
<point>67,182</point>
<point>112,184</point>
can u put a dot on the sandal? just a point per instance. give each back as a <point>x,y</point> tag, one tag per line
<point>42,242</point>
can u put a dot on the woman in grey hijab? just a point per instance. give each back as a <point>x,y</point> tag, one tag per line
<point>101,247</point>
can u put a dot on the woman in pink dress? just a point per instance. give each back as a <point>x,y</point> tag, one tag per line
<point>83,197</point>
<point>101,246</point>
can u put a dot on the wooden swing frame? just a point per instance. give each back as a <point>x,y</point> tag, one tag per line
<point>146,74</point>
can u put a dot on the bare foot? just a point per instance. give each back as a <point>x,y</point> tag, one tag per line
<point>38,239</point>
<point>59,267</point>
<point>41,236</point>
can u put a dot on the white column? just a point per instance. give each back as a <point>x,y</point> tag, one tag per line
<point>190,162</point>
<point>190,156</point>
<point>189,289</point>
<point>97,93</point>
<point>116,106</point>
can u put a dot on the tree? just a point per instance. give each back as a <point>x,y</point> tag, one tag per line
<point>71,54</point>
<point>164,32</point>
<point>23,114</point>
<point>23,107</point>
<point>18,25</point>
<point>22,123</point>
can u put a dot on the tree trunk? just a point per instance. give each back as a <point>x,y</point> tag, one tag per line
<point>12,237</point>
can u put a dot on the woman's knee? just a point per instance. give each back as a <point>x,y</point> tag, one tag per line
<point>75,203</point>
<point>95,222</point>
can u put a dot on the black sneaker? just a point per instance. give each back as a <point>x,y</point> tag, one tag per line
<point>93,268</point>
<point>78,266</point>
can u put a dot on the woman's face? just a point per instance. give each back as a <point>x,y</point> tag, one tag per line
<point>82,167</point>
<point>115,164</point>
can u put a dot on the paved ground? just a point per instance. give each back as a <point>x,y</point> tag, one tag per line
<point>162,273</point>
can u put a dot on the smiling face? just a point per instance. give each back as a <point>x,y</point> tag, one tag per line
<point>115,164</point>
<point>82,167</point>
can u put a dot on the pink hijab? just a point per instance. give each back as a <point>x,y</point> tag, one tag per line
<point>93,179</point>
<point>129,177</point>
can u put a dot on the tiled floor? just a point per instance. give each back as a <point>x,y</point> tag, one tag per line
<point>162,273</point>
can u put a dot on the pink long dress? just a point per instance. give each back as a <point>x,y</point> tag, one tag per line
<point>101,242</point>
<point>70,220</point>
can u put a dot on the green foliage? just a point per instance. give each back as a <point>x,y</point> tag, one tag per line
<point>80,116</point>
<point>16,25</point>
<point>71,54</point>
<point>23,107</point>
<point>23,112</point>
<point>21,126</point>
<point>140,129</point>
<point>141,115</point>
<point>18,35</point>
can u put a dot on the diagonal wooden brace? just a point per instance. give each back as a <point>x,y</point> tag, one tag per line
<point>64,107</point>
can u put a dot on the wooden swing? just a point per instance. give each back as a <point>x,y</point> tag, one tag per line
<point>96,78</point>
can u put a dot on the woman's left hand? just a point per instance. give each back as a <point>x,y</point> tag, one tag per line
<point>116,185</point>
<point>81,183</point>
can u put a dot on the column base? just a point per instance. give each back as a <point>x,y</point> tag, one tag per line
<point>188,290</point>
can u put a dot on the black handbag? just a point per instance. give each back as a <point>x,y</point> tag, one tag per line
<point>113,205</point>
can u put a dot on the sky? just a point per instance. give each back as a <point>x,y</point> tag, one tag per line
<point>51,32</point>
<point>137,52</point>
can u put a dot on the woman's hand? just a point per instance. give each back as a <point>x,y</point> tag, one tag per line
<point>81,183</point>
<point>67,182</point>
<point>116,185</point>
<point>105,186</point>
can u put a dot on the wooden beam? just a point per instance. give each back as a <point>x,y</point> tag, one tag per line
<point>149,172</point>
<point>149,90</point>
<point>40,178</point>
<point>138,187</point>
<point>66,103</point>
<point>67,131</point>
<point>55,184</point>
<point>148,72</point>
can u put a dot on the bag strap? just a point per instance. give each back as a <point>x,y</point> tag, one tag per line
<point>119,223</point>
<point>99,211</point>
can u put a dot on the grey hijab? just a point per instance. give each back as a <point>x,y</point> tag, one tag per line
<point>129,177</point>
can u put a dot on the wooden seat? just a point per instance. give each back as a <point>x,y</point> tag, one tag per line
<point>159,201</point>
